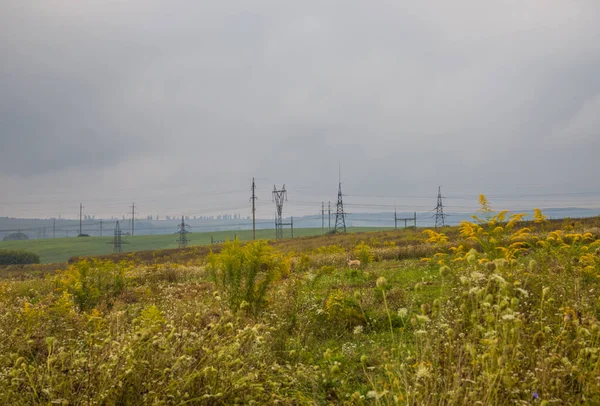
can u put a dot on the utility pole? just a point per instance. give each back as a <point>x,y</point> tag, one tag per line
<point>329,209</point>
<point>292,224</point>
<point>322,217</point>
<point>395,220</point>
<point>278,197</point>
<point>117,239</point>
<point>340,216</point>
<point>439,210</point>
<point>183,232</point>
<point>100,227</point>
<point>253,199</point>
<point>133,219</point>
<point>53,228</point>
<point>80,216</point>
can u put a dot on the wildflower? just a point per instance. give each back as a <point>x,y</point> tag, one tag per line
<point>371,394</point>
<point>444,271</point>
<point>358,330</point>
<point>422,372</point>
<point>499,279</point>
<point>403,312</point>
<point>381,282</point>
<point>423,318</point>
<point>508,317</point>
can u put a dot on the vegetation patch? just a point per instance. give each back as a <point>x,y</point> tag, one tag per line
<point>14,257</point>
<point>496,311</point>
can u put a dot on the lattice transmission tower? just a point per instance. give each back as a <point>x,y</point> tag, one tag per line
<point>440,217</point>
<point>340,216</point>
<point>183,232</point>
<point>117,239</point>
<point>278,197</point>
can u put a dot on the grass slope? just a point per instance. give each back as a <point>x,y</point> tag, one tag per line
<point>507,316</point>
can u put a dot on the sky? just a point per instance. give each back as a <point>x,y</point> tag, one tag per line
<point>176,105</point>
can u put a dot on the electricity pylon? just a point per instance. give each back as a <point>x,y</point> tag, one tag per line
<point>440,217</point>
<point>117,240</point>
<point>278,197</point>
<point>183,232</point>
<point>340,216</point>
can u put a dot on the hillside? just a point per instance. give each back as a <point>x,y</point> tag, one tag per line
<point>496,312</point>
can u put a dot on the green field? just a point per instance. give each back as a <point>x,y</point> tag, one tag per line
<point>61,249</point>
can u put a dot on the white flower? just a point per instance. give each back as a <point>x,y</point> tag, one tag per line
<point>422,372</point>
<point>371,394</point>
<point>508,317</point>
<point>423,319</point>
<point>499,278</point>
<point>403,312</point>
<point>358,330</point>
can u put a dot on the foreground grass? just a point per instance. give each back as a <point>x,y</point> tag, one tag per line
<point>513,320</point>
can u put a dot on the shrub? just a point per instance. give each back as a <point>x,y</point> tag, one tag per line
<point>342,310</point>
<point>14,257</point>
<point>91,282</point>
<point>364,253</point>
<point>243,274</point>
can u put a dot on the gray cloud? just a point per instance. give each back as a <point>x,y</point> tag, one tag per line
<point>477,96</point>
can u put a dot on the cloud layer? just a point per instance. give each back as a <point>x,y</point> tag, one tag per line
<point>155,101</point>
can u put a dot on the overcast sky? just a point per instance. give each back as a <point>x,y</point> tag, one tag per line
<point>176,104</point>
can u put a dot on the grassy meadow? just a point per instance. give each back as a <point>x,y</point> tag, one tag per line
<point>495,311</point>
<point>53,250</point>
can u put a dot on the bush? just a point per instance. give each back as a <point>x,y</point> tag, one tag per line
<point>18,257</point>
<point>244,274</point>
<point>93,282</point>
<point>364,253</point>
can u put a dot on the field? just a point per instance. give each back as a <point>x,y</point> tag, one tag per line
<point>496,311</point>
<point>61,249</point>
